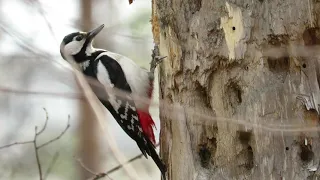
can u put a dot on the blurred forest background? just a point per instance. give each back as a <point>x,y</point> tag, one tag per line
<point>30,36</point>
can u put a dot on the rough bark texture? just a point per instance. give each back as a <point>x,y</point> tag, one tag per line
<point>215,64</point>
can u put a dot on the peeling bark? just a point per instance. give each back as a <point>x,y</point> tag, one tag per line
<point>216,64</point>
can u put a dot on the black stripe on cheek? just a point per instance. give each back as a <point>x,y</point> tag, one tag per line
<point>67,39</point>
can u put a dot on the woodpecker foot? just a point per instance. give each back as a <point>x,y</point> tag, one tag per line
<point>156,59</point>
<point>154,63</point>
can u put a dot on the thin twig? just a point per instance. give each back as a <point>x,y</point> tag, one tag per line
<point>106,174</point>
<point>36,148</point>
<point>42,13</point>
<point>16,143</point>
<point>96,175</point>
<point>53,162</point>
<point>45,123</point>
<point>36,152</point>
<point>85,167</point>
<point>58,137</point>
<point>121,165</point>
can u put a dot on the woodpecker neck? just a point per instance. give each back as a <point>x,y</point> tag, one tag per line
<point>89,54</point>
<point>85,59</point>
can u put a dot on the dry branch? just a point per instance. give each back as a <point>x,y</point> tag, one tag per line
<point>38,147</point>
<point>96,175</point>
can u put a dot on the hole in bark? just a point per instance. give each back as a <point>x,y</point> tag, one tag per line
<point>202,92</point>
<point>233,28</point>
<point>311,36</point>
<point>244,137</point>
<point>304,65</point>
<point>245,156</point>
<point>165,35</point>
<point>245,159</point>
<point>206,150</point>
<point>279,64</point>
<point>287,148</point>
<point>306,153</point>
<point>249,164</point>
<point>246,68</point>
<point>195,5</point>
<point>310,115</point>
<point>205,156</point>
<point>234,93</point>
<point>239,95</point>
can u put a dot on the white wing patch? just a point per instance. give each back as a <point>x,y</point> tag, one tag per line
<point>137,77</point>
<point>104,79</point>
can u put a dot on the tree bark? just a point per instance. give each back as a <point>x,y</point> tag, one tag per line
<point>217,65</point>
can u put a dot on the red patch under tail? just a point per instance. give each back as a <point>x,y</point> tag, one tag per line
<point>146,120</point>
<point>147,125</point>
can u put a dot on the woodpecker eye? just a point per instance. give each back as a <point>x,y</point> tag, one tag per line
<point>80,37</point>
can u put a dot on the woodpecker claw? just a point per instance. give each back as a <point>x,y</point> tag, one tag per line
<point>156,59</point>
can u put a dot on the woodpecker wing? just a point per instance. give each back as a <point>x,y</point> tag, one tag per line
<point>137,77</point>
<point>123,109</point>
<point>141,84</point>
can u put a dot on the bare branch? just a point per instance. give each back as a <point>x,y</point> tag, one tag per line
<point>42,13</point>
<point>96,175</point>
<point>36,147</point>
<point>58,137</point>
<point>16,143</point>
<point>121,165</point>
<point>106,174</point>
<point>46,122</point>
<point>36,152</point>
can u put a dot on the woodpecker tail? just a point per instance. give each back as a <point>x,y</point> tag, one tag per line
<point>162,167</point>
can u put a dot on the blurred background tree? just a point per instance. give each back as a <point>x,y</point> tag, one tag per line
<point>30,35</point>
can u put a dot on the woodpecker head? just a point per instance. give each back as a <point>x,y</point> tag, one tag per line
<point>78,44</point>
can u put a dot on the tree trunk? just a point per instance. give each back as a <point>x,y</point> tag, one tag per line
<point>236,100</point>
<point>88,124</point>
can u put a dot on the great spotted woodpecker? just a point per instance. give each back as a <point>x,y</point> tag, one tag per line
<point>115,70</point>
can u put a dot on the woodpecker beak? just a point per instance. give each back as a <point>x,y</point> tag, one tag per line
<point>94,32</point>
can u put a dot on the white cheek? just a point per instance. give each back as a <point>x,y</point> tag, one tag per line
<point>89,49</point>
<point>73,47</point>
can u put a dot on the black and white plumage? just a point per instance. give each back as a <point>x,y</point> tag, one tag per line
<point>114,70</point>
